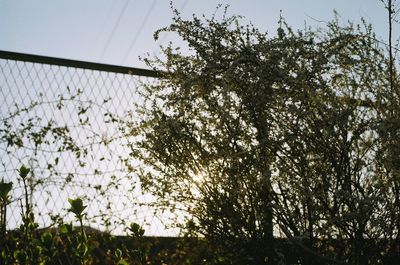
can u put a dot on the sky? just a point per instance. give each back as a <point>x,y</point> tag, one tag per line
<point>120,31</point>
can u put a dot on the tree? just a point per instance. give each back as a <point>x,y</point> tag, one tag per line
<point>329,178</point>
<point>389,138</point>
<point>253,136</point>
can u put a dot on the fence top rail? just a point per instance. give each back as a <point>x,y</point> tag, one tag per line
<point>77,64</point>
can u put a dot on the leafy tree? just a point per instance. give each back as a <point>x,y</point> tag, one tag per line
<point>329,181</point>
<point>255,136</point>
<point>389,135</point>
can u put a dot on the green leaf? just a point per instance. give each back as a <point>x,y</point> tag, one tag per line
<point>77,206</point>
<point>5,188</point>
<point>47,240</point>
<point>20,256</point>
<point>66,228</point>
<point>136,230</point>
<point>118,253</point>
<point>24,171</point>
<point>122,262</point>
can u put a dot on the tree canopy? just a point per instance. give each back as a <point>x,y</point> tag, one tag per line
<point>259,137</point>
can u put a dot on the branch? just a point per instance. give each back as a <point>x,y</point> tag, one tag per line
<point>307,249</point>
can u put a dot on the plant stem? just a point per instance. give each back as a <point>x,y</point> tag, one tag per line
<point>83,239</point>
<point>4,220</point>
<point>26,199</point>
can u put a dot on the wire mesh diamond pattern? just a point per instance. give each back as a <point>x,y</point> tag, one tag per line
<point>56,120</point>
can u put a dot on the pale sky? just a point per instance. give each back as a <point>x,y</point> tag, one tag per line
<point>118,31</point>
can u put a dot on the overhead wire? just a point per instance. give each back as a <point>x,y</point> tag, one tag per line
<point>105,20</point>
<point>144,21</point>
<point>111,35</point>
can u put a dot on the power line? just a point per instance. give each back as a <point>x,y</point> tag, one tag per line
<point>106,20</point>
<point>183,6</point>
<point>132,44</point>
<point>121,13</point>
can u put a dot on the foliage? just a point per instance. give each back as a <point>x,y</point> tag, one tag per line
<point>54,133</point>
<point>77,207</point>
<point>250,138</point>
<point>254,136</point>
<point>5,188</point>
<point>66,244</point>
<point>82,247</point>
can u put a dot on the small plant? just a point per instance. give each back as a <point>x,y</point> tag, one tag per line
<point>28,249</point>
<point>136,230</point>
<point>136,251</point>
<point>67,244</point>
<point>5,188</point>
<point>23,173</point>
<point>119,255</point>
<point>77,208</point>
<point>47,251</point>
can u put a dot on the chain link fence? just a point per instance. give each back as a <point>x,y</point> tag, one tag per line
<point>58,119</point>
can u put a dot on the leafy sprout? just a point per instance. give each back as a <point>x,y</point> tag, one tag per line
<point>77,207</point>
<point>5,188</point>
<point>23,171</point>
<point>136,230</point>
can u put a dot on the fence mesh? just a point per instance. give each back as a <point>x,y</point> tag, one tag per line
<point>58,121</point>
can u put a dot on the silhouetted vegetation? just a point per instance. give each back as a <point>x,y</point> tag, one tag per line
<point>270,149</point>
<point>258,137</point>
